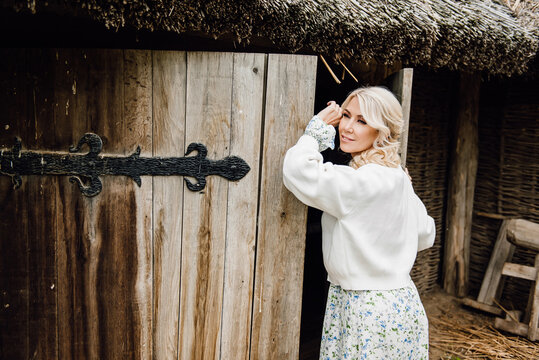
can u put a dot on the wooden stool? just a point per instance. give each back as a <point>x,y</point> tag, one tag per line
<point>513,232</point>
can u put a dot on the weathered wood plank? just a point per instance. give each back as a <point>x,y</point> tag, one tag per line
<point>491,215</point>
<point>42,267</point>
<point>70,296</point>
<point>138,95</point>
<point>246,127</point>
<point>89,99</point>
<point>107,256</point>
<point>41,214</point>
<point>76,320</point>
<point>524,233</point>
<point>169,86</point>
<point>519,271</point>
<point>15,100</point>
<point>492,284</point>
<point>209,85</point>
<point>282,218</point>
<point>461,187</point>
<point>511,326</point>
<point>79,319</point>
<point>402,88</point>
<point>482,306</point>
<point>29,283</point>
<point>533,330</point>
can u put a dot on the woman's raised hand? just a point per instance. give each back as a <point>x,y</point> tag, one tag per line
<point>332,114</point>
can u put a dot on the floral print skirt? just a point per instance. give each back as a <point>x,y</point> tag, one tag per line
<point>374,324</point>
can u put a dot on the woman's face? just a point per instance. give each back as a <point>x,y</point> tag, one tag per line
<point>355,135</point>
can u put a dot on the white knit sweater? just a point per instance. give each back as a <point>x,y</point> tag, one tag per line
<point>373,223</point>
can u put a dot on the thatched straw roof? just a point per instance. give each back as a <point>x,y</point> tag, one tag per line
<point>466,35</point>
<point>526,11</point>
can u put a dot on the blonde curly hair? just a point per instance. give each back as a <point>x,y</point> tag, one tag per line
<point>383,112</point>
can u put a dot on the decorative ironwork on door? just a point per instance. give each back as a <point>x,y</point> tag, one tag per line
<point>85,170</point>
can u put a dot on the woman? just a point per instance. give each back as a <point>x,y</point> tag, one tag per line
<point>373,225</point>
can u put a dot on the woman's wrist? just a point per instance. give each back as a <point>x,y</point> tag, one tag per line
<point>322,132</point>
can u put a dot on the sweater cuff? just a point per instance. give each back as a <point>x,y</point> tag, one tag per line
<point>322,132</point>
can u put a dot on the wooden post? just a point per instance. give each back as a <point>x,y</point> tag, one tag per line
<point>492,285</point>
<point>461,187</point>
<point>402,88</point>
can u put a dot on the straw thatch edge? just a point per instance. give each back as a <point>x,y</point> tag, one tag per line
<point>470,35</point>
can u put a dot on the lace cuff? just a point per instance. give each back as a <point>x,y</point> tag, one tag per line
<point>322,132</point>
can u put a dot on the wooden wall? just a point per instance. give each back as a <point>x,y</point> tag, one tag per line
<point>156,272</point>
<point>431,120</point>
<point>507,176</point>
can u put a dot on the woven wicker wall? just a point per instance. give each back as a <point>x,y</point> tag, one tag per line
<point>430,121</point>
<point>507,176</point>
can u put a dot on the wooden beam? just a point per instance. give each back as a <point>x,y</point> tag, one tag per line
<point>482,306</point>
<point>533,331</point>
<point>461,187</point>
<point>402,88</point>
<point>511,326</point>
<point>524,233</point>
<point>519,271</point>
<point>491,215</point>
<point>493,283</point>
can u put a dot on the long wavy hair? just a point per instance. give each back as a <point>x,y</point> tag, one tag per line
<point>383,112</point>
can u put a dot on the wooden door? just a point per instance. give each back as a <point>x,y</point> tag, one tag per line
<point>156,271</point>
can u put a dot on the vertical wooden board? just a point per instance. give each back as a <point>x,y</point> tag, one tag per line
<point>169,82</point>
<point>402,88</point>
<point>76,83</point>
<point>41,213</point>
<point>246,127</point>
<point>89,95</point>
<point>138,93</point>
<point>26,99</point>
<point>209,85</point>
<point>289,105</point>
<point>124,260</point>
<point>14,281</point>
<point>77,319</point>
<point>14,311</point>
<point>105,248</point>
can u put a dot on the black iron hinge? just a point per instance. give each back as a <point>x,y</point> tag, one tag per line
<point>85,170</point>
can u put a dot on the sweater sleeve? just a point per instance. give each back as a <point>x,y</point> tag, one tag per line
<point>322,132</point>
<point>426,228</point>
<point>330,188</point>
